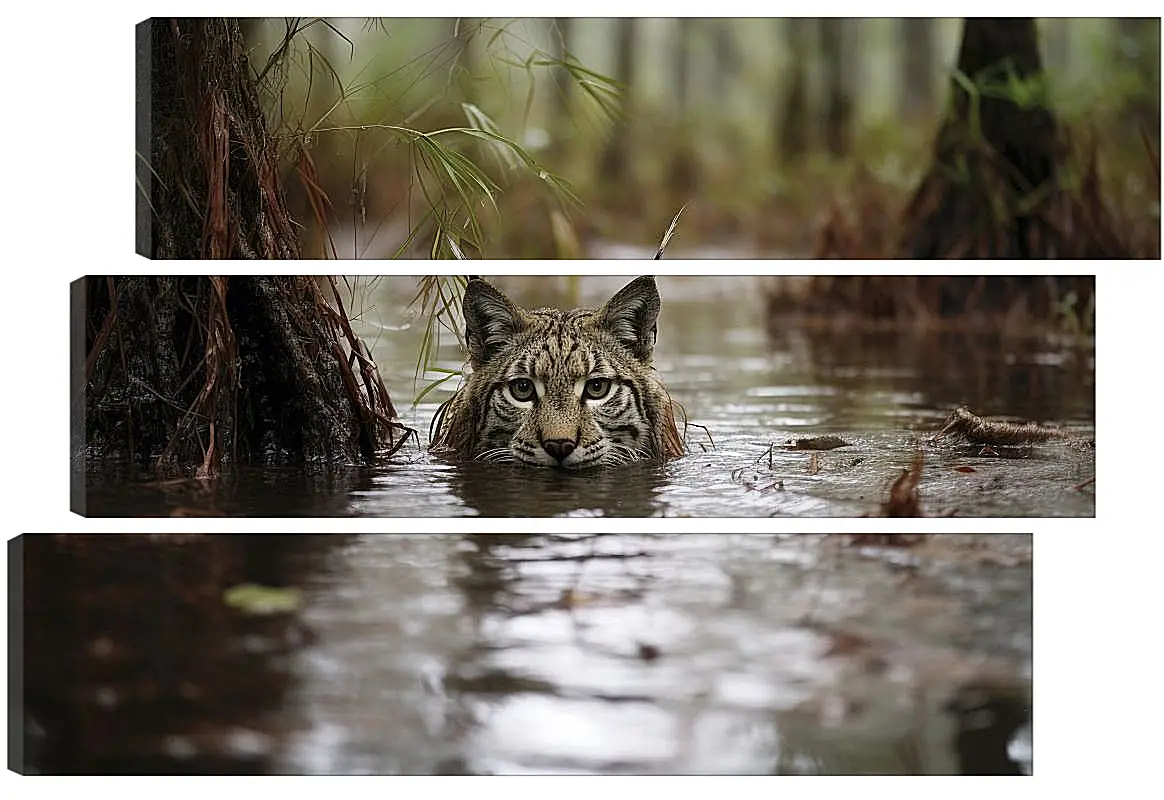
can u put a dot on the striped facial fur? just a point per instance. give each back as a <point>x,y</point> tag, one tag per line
<point>565,389</point>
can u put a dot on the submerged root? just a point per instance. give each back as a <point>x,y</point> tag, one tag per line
<point>964,424</point>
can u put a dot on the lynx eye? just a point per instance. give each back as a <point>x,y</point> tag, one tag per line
<point>596,388</point>
<point>522,389</point>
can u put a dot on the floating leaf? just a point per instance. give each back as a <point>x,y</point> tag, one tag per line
<point>257,600</point>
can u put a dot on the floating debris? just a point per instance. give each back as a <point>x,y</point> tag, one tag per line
<point>903,498</point>
<point>256,600</point>
<point>816,443</point>
<point>964,424</point>
<point>886,539</point>
<point>648,652</point>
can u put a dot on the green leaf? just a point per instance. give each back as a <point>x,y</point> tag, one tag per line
<point>256,600</point>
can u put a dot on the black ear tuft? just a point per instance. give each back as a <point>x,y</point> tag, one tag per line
<point>631,314</point>
<point>491,320</point>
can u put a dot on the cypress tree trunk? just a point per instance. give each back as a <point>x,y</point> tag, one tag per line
<point>183,375</point>
<point>186,375</point>
<point>993,189</point>
<point>208,175</point>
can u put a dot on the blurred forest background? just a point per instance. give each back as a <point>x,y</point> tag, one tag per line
<point>572,138</point>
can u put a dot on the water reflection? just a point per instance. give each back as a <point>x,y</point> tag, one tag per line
<point>501,491</point>
<point>132,662</point>
<point>528,653</point>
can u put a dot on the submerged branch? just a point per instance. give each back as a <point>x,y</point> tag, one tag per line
<point>964,424</point>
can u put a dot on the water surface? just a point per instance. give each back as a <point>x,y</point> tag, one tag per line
<point>512,654</point>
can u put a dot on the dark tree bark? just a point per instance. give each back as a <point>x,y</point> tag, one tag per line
<point>992,190</point>
<point>186,375</point>
<point>208,175</point>
<point>917,68</point>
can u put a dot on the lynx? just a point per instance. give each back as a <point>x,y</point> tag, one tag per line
<point>564,389</point>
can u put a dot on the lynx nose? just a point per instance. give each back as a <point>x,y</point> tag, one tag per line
<point>558,448</point>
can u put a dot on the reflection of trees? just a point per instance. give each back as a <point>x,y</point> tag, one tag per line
<point>253,492</point>
<point>134,664</point>
<point>990,371</point>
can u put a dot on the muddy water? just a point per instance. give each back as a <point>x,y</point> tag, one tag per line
<point>752,388</point>
<point>691,653</point>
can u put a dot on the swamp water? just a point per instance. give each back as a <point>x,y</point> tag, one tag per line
<point>504,654</point>
<point>752,387</point>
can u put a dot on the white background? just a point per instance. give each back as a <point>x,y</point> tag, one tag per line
<point>69,196</point>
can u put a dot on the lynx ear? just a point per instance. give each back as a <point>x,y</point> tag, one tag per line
<point>491,320</point>
<point>630,316</point>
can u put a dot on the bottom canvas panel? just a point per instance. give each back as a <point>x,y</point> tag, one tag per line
<point>502,654</point>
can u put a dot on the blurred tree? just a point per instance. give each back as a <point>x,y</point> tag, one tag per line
<point>792,118</point>
<point>992,190</point>
<point>617,156</point>
<point>1137,49</point>
<point>465,32</point>
<point>683,171</point>
<point>561,40</point>
<point>917,68</point>
<point>726,64</point>
<point>837,63</point>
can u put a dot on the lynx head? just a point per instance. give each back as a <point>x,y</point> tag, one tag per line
<point>567,389</point>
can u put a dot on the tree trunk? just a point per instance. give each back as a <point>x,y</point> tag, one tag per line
<point>683,173</point>
<point>561,39</point>
<point>792,118</point>
<point>616,156</point>
<point>185,375</point>
<point>836,61</point>
<point>917,68</point>
<point>208,175</point>
<point>992,190</point>
<point>1138,52</point>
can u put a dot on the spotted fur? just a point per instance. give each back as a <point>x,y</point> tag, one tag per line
<point>566,389</point>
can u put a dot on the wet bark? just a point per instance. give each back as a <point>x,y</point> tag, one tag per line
<point>993,187</point>
<point>207,171</point>
<point>187,375</point>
